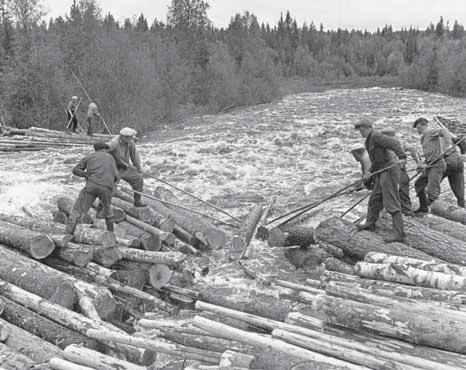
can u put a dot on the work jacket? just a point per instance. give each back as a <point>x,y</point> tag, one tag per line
<point>98,168</point>
<point>123,153</point>
<point>378,147</point>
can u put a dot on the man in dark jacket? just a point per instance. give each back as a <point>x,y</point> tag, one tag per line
<point>101,174</point>
<point>385,193</point>
<point>72,118</point>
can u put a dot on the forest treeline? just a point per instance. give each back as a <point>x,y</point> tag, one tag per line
<point>145,73</point>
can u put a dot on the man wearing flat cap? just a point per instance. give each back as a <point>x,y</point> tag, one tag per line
<point>123,149</point>
<point>385,193</point>
<point>101,174</point>
<point>442,160</point>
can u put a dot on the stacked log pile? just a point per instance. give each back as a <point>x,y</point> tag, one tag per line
<point>35,138</point>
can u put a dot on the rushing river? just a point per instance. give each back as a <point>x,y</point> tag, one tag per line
<point>297,149</point>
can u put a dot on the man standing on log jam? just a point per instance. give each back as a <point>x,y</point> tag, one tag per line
<point>385,193</point>
<point>442,160</point>
<point>406,206</point>
<point>72,118</point>
<point>123,149</point>
<point>101,174</point>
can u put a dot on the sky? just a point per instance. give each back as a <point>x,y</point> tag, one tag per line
<point>333,14</point>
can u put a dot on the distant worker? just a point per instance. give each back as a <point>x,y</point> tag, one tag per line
<point>385,193</point>
<point>406,206</point>
<point>101,175</point>
<point>123,149</point>
<point>434,143</point>
<point>71,112</point>
<point>92,118</point>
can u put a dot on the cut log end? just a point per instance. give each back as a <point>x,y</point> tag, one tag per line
<point>41,246</point>
<point>159,275</point>
<point>215,238</point>
<point>65,295</point>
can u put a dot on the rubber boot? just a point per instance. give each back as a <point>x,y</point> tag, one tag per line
<point>137,201</point>
<point>398,229</point>
<point>369,226</point>
<point>109,225</point>
<point>423,204</point>
<point>100,211</point>
<point>373,211</point>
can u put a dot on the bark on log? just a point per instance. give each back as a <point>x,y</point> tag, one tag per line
<point>446,268</point>
<point>264,342</point>
<point>62,240</point>
<point>87,308</point>
<point>247,229</point>
<point>66,205</point>
<point>236,359</point>
<point>204,231</point>
<point>409,275</point>
<point>45,227</point>
<point>37,278</point>
<point>96,360</point>
<point>155,345</point>
<point>60,364</point>
<point>87,235</point>
<point>344,235</point>
<point>445,226</point>
<point>186,237</point>
<point>148,241</point>
<point>107,256</point>
<point>44,328</point>
<point>12,360</point>
<point>168,258</point>
<point>449,211</point>
<point>143,214</point>
<point>36,245</point>
<point>304,321</point>
<point>389,289</point>
<point>429,241</point>
<point>59,217</point>
<point>291,236</point>
<point>409,320</point>
<point>68,318</point>
<point>167,238</point>
<point>29,345</point>
<point>76,254</point>
<point>135,278</point>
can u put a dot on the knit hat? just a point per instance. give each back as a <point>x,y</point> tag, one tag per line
<point>420,121</point>
<point>100,145</point>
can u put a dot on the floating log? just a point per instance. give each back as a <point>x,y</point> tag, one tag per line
<point>185,236</point>
<point>76,254</point>
<point>410,320</point>
<point>143,214</point>
<point>451,228</point>
<point>429,241</point>
<point>45,227</point>
<point>304,321</point>
<point>446,268</point>
<point>96,360</point>
<point>247,229</point>
<point>167,238</point>
<point>12,360</point>
<point>264,342</point>
<point>87,308</point>
<point>409,275</point>
<point>149,242</point>
<point>42,327</point>
<point>60,364</point>
<point>344,235</point>
<point>168,258</point>
<point>68,318</point>
<point>37,278</point>
<point>236,359</point>
<point>135,277</point>
<point>36,245</point>
<point>130,242</point>
<point>66,206</point>
<point>287,236</point>
<point>29,345</point>
<point>155,345</point>
<point>449,211</point>
<point>87,235</point>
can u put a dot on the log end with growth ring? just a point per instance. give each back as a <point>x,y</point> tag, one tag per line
<point>159,275</point>
<point>65,295</point>
<point>40,246</point>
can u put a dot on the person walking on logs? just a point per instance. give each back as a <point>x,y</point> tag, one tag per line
<point>434,142</point>
<point>385,193</point>
<point>123,149</point>
<point>71,112</point>
<point>92,118</point>
<point>99,169</point>
<point>406,205</point>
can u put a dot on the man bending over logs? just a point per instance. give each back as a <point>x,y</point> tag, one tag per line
<point>101,174</point>
<point>123,149</point>
<point>385,193</point>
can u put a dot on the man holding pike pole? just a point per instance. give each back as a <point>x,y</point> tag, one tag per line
<point>385,193</point>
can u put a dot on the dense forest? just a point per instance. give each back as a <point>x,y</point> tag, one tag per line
<point>146,73</point>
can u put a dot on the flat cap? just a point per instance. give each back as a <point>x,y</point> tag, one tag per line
<point>363,122</point>
<point>127,131</point>
<point>390,131</point>
<point>420,121</point>
<point>100,145</point>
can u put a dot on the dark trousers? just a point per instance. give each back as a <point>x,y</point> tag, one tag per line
<point>385,194</point>
<point>404,192</point>
<point>86,198</point>
<point>429,182</point>
<point>74,122</point>
<point>455,175</point>
<point>134,179</point>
